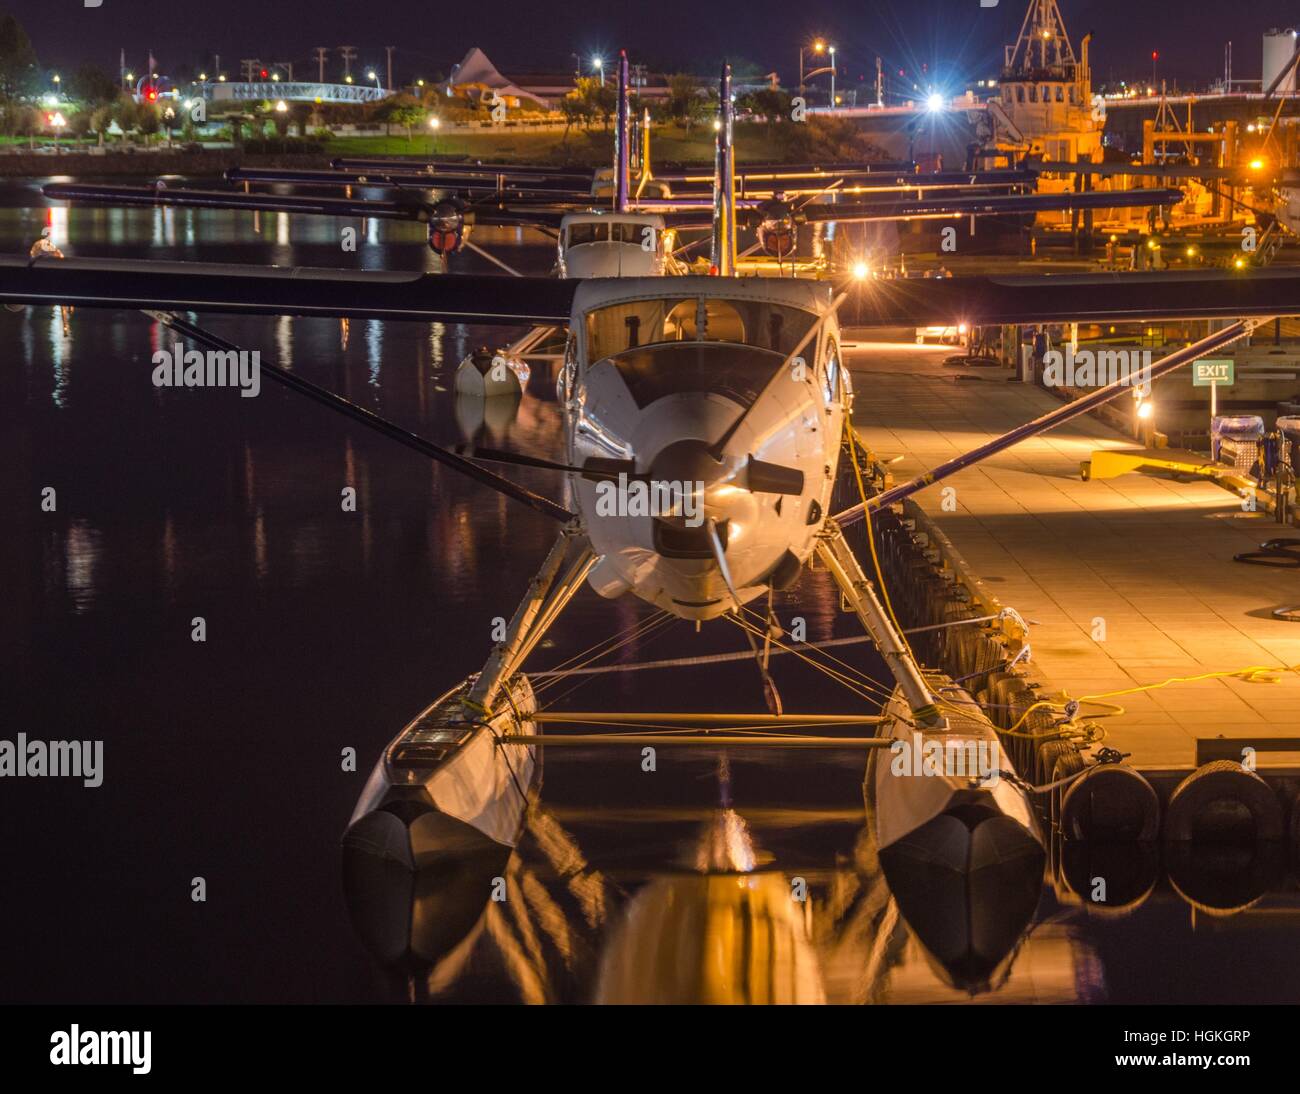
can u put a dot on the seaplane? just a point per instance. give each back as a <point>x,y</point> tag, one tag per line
<point>706,424</point>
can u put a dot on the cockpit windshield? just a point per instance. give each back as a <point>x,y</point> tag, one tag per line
<point>756,323</point>
<point>738,372</point>
<point>619,231</point>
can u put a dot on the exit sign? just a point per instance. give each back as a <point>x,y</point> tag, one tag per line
<point>1213,372</point>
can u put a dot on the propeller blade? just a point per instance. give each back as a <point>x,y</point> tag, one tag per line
<point>772,478</point>
<point>595,469</point>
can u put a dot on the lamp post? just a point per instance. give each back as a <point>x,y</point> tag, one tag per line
<point>600,68</point>
<point>819,47</point>
<point>433,132</point>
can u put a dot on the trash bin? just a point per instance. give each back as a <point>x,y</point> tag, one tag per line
<point>1235,440</point>
<point>1289,427</point>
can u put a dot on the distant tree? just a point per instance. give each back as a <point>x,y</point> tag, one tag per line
<point>687,104</point>
<point>147,121</point>
<point>19,74</point>
<point>401,110</point>
<point>772,106</point>
<point>100,119</point>
<point>92,86</point>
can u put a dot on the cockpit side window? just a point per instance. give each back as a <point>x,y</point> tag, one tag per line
<point>580,233</point>
<point>831,378</point>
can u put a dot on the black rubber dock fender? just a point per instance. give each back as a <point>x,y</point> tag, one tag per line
<point>1213,800</point>
<point>1110,803</point>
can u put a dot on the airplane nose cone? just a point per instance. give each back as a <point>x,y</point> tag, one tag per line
<point>686,461</point>
<point>688,465</point>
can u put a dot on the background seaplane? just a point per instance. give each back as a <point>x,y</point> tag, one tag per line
<point>729,392</point>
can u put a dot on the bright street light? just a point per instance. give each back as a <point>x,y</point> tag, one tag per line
<point>934,102</point>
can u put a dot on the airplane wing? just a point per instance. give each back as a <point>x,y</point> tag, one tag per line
<point>988,205</point>
<point>956,205</point>
<point>408,206</point>
<point>1067,298</point>
<point>476,181</point>
<point>283,290</point>
<point>468,298</point>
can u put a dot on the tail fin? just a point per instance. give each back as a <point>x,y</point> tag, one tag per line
<point>621,178</point>
<point>723,260</point>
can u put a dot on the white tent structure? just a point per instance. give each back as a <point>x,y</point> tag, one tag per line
<point>476,73</point>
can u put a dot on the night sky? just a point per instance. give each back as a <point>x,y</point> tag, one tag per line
<point>954,36</point>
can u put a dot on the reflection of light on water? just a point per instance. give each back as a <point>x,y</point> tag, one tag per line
<point>189,227</point>
<point>437,332</point>
<point>57,350</point>
<point>259,546</point>
<point>374,348</point>
<point>169,553</point>
<point>284,342</point>
<point>372,231</point>
<point>282,229</point>
<point>81,557</point>
<point>56,220</point>
<point>163,231</point>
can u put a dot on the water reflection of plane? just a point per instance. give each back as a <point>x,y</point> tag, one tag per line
<point>723,926</point>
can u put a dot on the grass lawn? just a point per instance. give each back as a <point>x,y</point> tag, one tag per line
<point>668,144</point>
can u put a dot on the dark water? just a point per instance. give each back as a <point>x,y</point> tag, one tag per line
<point>328,630</point>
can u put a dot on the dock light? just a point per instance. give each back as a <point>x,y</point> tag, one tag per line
<point>934,102</point>
<point>860,271</point>
<point>281,107</point>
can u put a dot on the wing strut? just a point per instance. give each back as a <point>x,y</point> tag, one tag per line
<point>373,421</point>
<point>1050,420</point>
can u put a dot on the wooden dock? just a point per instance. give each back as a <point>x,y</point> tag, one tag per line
<point>1127,582</point>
